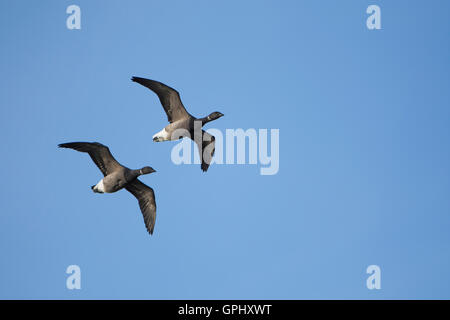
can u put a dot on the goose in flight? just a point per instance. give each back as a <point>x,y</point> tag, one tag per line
<point>181,121</point>
<point>117,177</point>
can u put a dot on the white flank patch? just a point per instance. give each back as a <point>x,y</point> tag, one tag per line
<point>163,135</point>
<point>100,188</point>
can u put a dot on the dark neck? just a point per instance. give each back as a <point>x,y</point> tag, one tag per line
<point>135,173</point>
<point>205,120</point>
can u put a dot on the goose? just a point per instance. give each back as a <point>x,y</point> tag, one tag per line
<point>179,118</point>
<point>117,177</point>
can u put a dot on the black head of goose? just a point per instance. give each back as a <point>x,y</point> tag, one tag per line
<point>117,177</point>
<point>179,118</point>
<point>213,116</point>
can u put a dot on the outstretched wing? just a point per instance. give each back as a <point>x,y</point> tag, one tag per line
<point>169,97</point>
<point>206,148</point>
<point>99,153</point>
<point>146,199</point>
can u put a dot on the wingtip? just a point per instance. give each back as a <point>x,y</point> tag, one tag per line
<point>150,228</point>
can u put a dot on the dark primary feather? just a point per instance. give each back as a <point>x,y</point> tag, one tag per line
<point>146,198</point>
<point>206,141</point>
<point>98,152</point>
<point>169,97</point>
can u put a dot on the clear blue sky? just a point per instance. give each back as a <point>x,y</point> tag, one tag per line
<point>364,149</point>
